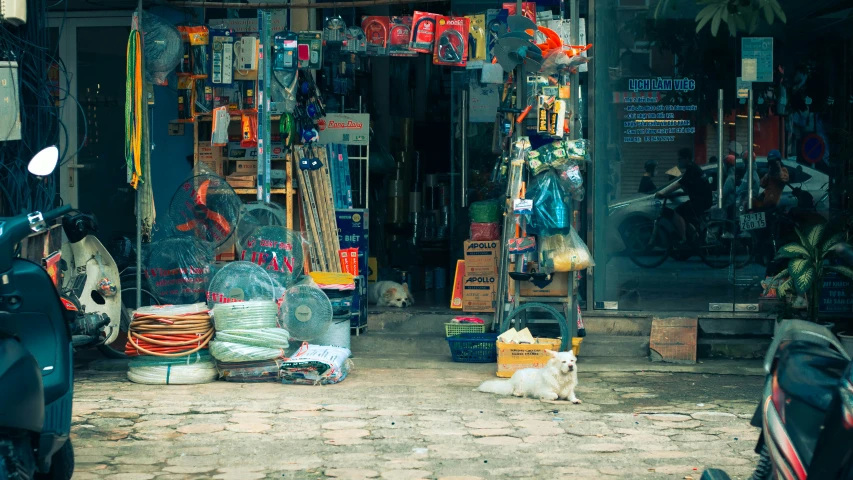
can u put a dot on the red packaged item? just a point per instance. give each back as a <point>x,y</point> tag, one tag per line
<point>398,37</point>
<point>423,32</point>
<point>528,9</point>
<point>376,30</point>
<point>451,41</point>
<point>484,232</point>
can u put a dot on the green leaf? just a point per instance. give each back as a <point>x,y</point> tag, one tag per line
<point>829,245</point>
<point>768,12</point>
<point>843,270</point>
<point>785,287</point>
<point>814,236</point>
<point>739,22</point>
<point>730,22</point>
<point>803,273</point>
<point>793,250</point>
<point>753,24</point>
<point>705,16</point>
<point>777,9</point>
<point>718,17</point>
<point>802,236</point>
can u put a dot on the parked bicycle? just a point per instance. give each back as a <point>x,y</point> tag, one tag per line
<point>718,242</point>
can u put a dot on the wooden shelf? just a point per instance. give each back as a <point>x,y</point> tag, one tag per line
<point>254,191</point>
<point>207,117</point>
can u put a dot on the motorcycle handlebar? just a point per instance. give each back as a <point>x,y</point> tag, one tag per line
<point>57,212</point>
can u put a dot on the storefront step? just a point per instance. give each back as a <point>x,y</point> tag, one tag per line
<point>414,321</point>
<point>615,346</point>
<point>378,343</point>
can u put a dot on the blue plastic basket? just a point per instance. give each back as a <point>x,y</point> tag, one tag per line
<point>474,347</point>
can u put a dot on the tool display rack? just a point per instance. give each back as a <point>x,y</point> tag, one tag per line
<point>568,304</point>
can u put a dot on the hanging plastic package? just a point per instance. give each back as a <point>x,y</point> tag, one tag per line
<point>221,121</point>
<point>572,180</point>
<point>163,48</point>
<point>203,98</point>
<point>179,270</point>
<point>186,93</point>
<point>564,253</point>
<point>550,205</point>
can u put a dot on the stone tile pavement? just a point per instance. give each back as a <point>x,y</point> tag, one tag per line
<point>411,423</point>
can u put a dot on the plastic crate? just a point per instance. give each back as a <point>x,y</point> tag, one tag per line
<point>474,347</point>
<point>453,329</point>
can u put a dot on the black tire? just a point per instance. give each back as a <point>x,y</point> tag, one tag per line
<point>115,350</point>
<point>16,458</point>
<point>61,464</point>
<point>644,251</point>
<point>722,245</point>
<point>562,321</point>
<point>764,469</point>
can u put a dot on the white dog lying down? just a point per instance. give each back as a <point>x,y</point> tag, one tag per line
<point>555,381</point>
<point>389,294</point>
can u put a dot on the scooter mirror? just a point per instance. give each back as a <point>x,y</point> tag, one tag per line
<point>44,162</point>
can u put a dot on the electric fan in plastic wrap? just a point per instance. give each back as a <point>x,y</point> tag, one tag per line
<point>163,48</point>
<point>179,269</point>
<point>205,207</point>
<point>306,312</point>
<point>254,215</point>
<point>278,250</point>
<point>240,282</point>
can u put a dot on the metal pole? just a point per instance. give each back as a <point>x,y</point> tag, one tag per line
<point>749,159</point>
<point>463,117</point>
<point>144,145</point>
<point>574,38</point>
<point>720,149</point>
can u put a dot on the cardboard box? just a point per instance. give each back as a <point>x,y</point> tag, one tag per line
<point>353,233</point>
<point>479,292</point>
<point>246,167</point>
<point>242,181</point>
<point>559,287</point>
<point>482,257</point>
<point>512,358</point>
<point>372,269</point>
<point>212,157</point>
<point>236,152</point>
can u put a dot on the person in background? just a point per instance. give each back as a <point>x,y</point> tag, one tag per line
<point>773,182</point>
<point>695,184</point>
<point>647,184</point>
<point>743,186</point>
<point>729,182</point>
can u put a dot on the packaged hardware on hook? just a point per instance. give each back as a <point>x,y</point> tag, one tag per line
<point>398,37</point>
<point>423,32</point>
<point>451,43</point>
<point>376,33</point>
<point>221,57</point>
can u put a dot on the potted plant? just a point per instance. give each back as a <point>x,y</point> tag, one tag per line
<point>808,263</point>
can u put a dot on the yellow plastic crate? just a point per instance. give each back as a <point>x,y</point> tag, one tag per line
<point>453,329</point>
<point>512,357</point>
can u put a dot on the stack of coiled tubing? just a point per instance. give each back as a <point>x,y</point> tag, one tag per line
<point>249,345</point>
<point>169,345</point>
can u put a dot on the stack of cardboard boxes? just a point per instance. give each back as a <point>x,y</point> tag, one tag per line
<point>480,283</point>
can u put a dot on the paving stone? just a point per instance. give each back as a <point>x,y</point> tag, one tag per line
<point>344,425</point>
<point>491,432</point>
<point>406,474</point>
<point>715,416</point>
<point>200,428</point>
<point>351,473</point>
<point>668,417</point>
<point>502,441</point>
<point>601,447</point>
<point>248,427</point>
<point>128,476</point>
<point>487,424</point>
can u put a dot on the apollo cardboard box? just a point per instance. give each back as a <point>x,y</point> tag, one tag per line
<point>482,257</point>
<point>479,292</point>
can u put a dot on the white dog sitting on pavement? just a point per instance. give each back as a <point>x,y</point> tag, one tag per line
<point>555,381</point>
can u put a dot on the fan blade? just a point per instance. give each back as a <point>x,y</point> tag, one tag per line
<point>517,23</point>
<point>201,194</point>
<point>186,227</point>
<point>219,220</point>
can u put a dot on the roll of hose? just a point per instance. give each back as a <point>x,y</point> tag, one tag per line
<point>262,337</point>
<point>250,315</point>
<point>190,370</point>
<point>237,352</point>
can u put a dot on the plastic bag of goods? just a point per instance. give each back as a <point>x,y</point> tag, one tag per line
<point>550,205</point>
<point>564,253</point>
<point>483,232</point>
<point>188,370</point>
<point>250,372</point>
<point>316,365</point>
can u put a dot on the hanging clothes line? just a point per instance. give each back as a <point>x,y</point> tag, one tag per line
<point>282,6</point>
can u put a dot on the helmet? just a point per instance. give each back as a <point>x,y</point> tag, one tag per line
<point>651,165</point>
<point>730,159</point>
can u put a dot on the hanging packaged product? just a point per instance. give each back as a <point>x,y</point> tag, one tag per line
<point>354,40</point>
<point>376,34</point>
<point>249,126</point>
<point>309,50</point>
<point>246,58</point>
<point>219,130</point>
<point>185,99</point>
<point>551,212</point>
<point>334,29</point>
<point>423,32</point>
<point>203,97</point>
<point>285,45</point>
<point>221,57</point>
<point>196,39</point>
<point>398,37</point>
<point>248,93</point>
<point>451,41</point>
<point>564,253</point>
<point>476,41</point>
<point>528,9</point>
<point>185,66</point>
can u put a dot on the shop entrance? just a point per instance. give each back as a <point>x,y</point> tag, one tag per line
<point>93,49</point>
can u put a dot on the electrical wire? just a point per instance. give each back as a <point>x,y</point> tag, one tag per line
<point>162,335</point>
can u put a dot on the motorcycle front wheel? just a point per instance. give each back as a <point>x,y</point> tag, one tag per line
<point>61,464</point>
<point>115,350</point>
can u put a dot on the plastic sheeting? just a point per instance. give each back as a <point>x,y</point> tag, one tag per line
<point>179,270</point>
<point>240,282</point>
<point>551,211</point>
<point>276,249</point>
<point>162,48</point>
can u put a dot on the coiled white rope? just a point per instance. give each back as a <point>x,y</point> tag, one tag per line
<point>250,315</point>
<point>190,370</point>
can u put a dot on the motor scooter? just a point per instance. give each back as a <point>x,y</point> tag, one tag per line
<point>35,353</point>
<point>806,409</point>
